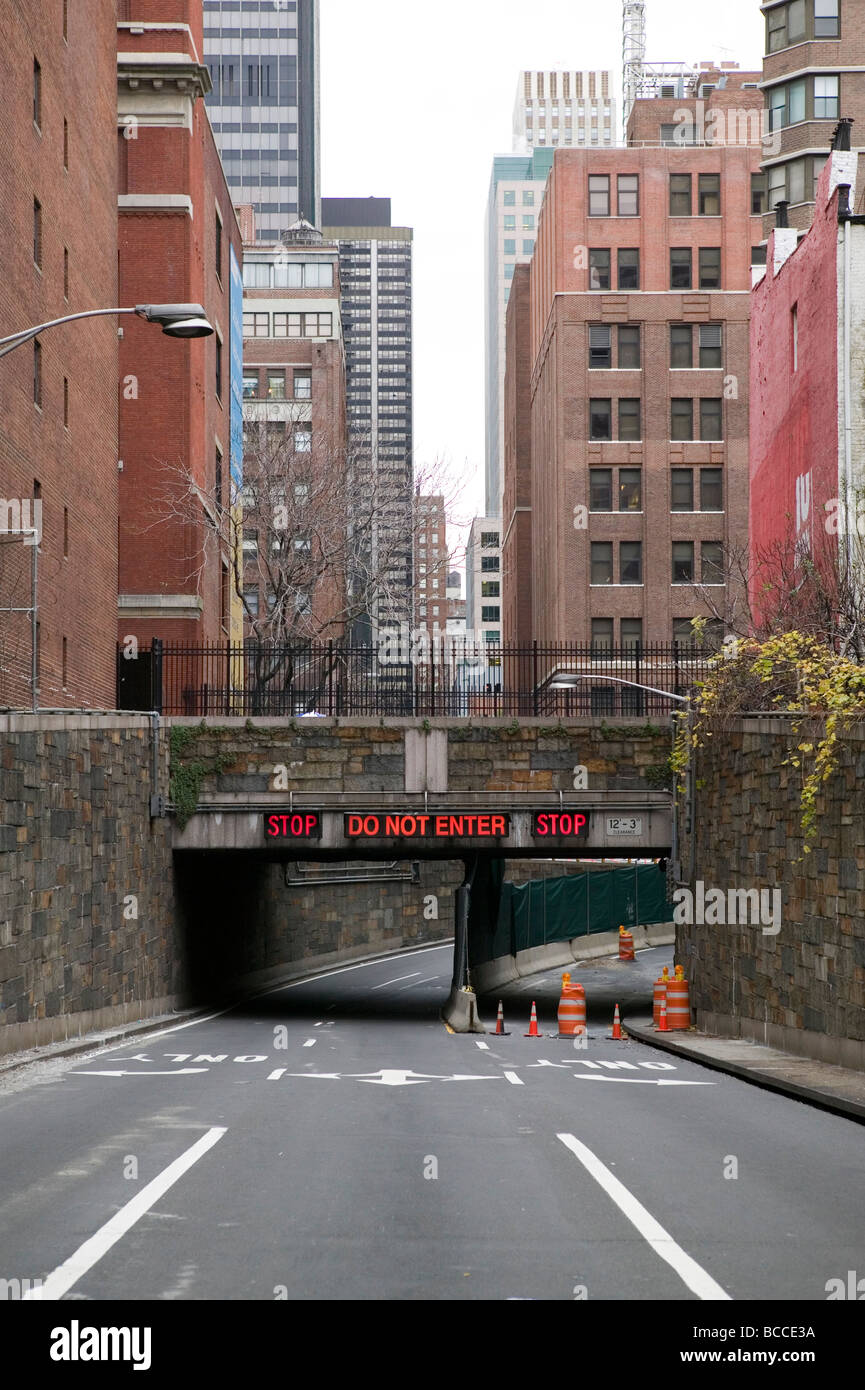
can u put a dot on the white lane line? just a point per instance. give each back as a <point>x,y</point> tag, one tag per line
<point>61,1280</point>
<point>397,981</point>
<point>692,1275</point>
<point>275,1075</point>
<point>514,1079</point>
<point>428,981</point>
<point>310,1042</point>
<point>484,1047</point>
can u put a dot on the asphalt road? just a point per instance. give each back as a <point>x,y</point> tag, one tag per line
<point>333,1141</point>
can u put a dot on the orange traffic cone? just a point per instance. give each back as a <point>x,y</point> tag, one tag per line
<point>500,1023</point>
<point>663,1026</point>
<point>534,1031</point>
<point>617,1035</point>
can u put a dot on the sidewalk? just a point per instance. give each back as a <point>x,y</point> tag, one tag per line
<point>816,1083</point>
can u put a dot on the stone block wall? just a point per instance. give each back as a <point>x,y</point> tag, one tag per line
<point>88,934</point>
<point>804,988</point>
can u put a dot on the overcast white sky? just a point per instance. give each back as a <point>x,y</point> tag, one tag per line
<point>417,96</point>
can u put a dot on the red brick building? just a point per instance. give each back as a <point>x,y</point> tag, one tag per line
<point>58,397</point>
<point>640,288</point>
<point>807,416</point>
<point>517,586</point>
<point>177,232</point>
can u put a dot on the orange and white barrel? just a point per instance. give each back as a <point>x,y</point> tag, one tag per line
<point>572,1011</point>
<point>678,1005</point>
<point>626,945</point>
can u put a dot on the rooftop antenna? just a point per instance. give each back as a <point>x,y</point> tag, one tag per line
<point>633,53</point>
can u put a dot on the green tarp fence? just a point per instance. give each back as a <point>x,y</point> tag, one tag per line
<point>559,909</point>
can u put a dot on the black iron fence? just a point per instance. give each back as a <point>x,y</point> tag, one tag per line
<point>422,680</point>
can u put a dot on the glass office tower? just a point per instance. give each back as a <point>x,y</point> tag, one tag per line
<point>264,106</point>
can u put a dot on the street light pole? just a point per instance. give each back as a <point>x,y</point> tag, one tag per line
<point>177,320</point>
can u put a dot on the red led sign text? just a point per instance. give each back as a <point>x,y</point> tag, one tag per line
<point>431,827</point>
<point>303,825</point>
<point>562,825</point>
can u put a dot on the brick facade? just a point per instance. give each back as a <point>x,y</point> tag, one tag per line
<point>517,576</point>
<point>176,223</point>
<point>68,442</point>
<point>563,307</point>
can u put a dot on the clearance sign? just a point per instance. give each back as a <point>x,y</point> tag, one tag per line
<point>431,827</point>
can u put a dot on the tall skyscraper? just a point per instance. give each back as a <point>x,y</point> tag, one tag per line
<point>516,194</point>
<point>375,269</point>
<point>263,58</point>
<point>570,109</point>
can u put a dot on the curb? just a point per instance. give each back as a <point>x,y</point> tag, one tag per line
<point>821,1100</point>
<point>101,1041</point>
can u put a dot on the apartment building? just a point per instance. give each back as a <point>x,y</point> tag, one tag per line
<point>296,436</point>
<point>433,599</point>
<point>376,262</point>
<point>639,366</point>
<point>813,75</point>
<point>58,423</point>
<point>484,581</point>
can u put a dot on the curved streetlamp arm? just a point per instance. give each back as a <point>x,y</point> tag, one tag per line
<point>593,676</point>
<point>16,339</point>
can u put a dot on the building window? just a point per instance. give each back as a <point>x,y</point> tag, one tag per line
<point>680,195</point>
<point>602,562</point>
<point>510,246</point>
<point>681,346</point>
<point>491,613</point>
<point>629,195</point>
<point>37,232</point>
<point>600,489</point>
<point>629,269</point>
<point>759,191</point>
<point>256,325</point>
<point>631,562</point>
<point>826,91</point>
<point>600,419</point>
<point>250,386</point>
<point>680,267</point>
<point>510,223</point>
<point>303,439</point>
<point>510,198</point>
<point>528,198</point>
<point>709,195</point>
<point>490,540</point>
<point>490,564</point>
<point>491,588</point>
<point>632,636</point>
<point>303,386</point>
<point>683,632</point>
<point>629,420</point>
<point>602,634</point>
<point>600,346</point>
<point>711,426</point>
<point>683,562</point>
<point>630,490</point>
<point>218,246</point>
<point>711,346</point>
<point>710,267</point>
<point>529,246</point>
<point>599,269</point>
<point>529,222</point>
<point>37,372</point>
<point>218,374</point>
<point>37,95</point>
<point>682,418</point>
<point>599,195</point>
<point>712,562</point>
<point>682,490</point>
<point>711,489</point>
<point>826,25</point>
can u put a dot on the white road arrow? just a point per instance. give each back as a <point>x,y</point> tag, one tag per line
<point>638,1080</point>
<point>385,1077</point>
<point>185,1071</point>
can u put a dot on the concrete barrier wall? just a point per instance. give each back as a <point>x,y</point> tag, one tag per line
<point>564,954</point>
